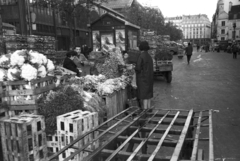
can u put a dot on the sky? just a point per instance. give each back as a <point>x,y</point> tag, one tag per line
<point>172,8</point>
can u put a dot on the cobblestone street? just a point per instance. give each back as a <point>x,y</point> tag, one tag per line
<point>211,81</point>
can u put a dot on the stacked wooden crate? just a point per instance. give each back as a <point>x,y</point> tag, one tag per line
<point>23,138</point>
<point>22,95</point>
<point>69,127</point>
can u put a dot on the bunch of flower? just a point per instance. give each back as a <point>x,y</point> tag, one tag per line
<point>25,65</point>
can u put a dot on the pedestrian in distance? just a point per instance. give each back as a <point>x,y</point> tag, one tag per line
<point>144,76</point>
<point>188,51</point>
<point>234,51</point>
<point>198,47</point>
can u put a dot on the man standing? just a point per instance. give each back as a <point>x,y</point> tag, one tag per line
<point>69,63</point>
<point>234,50</point>
<point>189,50</point>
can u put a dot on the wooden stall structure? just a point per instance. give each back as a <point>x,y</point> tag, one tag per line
<point>113,30</point>
<point>160,135</point>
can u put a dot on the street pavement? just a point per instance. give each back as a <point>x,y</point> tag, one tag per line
<point>211,81</point>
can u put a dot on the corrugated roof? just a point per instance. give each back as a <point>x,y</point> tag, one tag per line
<point>114,4</point>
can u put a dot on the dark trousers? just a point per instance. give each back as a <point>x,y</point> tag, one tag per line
<point>188,58</point>
<point>234,55</point>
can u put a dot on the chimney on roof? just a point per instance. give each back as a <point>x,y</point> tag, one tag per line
<point>230,6</point>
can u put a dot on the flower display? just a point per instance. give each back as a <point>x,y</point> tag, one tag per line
<point>41,71</point>
<point>13,74</point>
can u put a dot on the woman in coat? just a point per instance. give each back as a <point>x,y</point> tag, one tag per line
<point>144,74</point>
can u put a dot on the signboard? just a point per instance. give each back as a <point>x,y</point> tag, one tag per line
<point>96,40</point>
<point>106,40</point>
<point>120,39</point>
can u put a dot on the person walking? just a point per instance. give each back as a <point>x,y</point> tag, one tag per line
<point>144,76</point>
<point>234,51</point>
<point>189,50</point>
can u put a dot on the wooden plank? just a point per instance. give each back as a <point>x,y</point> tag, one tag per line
<point>131,157</point>
<point>182,137</point>
<point>158,130</point>
<point>124,155</point>
<point>200,155</point>
<point>149,141</point>
<point>167,122</point>
<point>211,150</point>
<point>195,144</point>
<point>169,116</point>
<point>151,158</point>
<point>4,141</point>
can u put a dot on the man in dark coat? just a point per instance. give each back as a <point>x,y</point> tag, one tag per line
<point>234,51</point>
<point>144,75</point>
<point>189,50</point>
<point>69,63</point>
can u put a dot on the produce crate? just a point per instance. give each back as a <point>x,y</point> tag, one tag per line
<point>115,103</point>
<point>74,124</point>
<point>23,138</point>
<point>22,95</point>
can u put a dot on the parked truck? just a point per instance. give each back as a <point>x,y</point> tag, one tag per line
<point>161,54</point>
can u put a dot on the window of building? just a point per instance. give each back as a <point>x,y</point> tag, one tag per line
<point>223,23</point>
<point>222,38</point>
<point>223,31</point>
<point>235,16</point>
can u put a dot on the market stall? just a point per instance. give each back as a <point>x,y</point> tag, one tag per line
<point>39,94</point>
<point>113,30</point>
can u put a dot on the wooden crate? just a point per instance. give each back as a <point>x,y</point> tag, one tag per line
<point>74,124</point>
<point>22,95</point>
<point>115,103</point>
<point>23,138</point>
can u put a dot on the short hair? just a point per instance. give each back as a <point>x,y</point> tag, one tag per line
<point>144,46</point>
<point>189,44</point>
<point>71,53</point>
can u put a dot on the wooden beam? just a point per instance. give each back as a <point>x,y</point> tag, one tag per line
<point>153,155</point>
<point>196,139</point>
<point>182,137</point>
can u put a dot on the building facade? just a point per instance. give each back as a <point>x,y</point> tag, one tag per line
<point>29,18</point>
<point>195,28</point>
<point>227,15</point>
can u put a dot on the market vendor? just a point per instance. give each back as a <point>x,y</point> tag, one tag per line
<point>69,63</point>
<point>82,62</point>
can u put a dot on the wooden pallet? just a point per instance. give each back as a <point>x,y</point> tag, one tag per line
<point>74,124</point>
<point>164,134</point>
<point>22,95</point>
<point>23,138</point>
